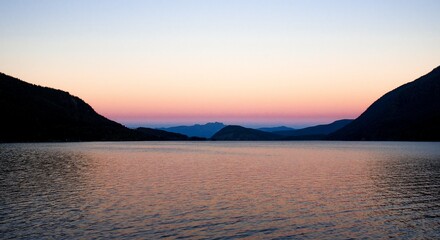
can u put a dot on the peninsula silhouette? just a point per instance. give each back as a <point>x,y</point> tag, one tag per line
<point>32,113</point>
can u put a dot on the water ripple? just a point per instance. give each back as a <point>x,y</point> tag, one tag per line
<point>205,190</point>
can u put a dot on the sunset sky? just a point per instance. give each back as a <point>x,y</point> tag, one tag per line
<point>256,63</point>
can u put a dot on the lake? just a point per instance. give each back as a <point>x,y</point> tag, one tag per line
<point>220,190</point>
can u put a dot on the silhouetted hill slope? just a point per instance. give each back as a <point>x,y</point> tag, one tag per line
<point>197,130</point>
<point>32,113</point>
<point>318,130</point>
<point>239,133</point>
<point>163,135</point>
<point>410,112</point>
<point>276,129</point>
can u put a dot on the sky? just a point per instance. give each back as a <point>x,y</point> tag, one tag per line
<point>255,63</point>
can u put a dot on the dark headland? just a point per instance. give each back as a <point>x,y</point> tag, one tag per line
<point>197,130</point>
<point>32,113</point>
<point>239,133</point>
<point>410,112</point>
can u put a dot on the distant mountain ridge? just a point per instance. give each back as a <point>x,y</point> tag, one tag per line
<point>162,135</point>
<point>239,133</point>
<point>197,130</point>
<point>410,112</point>
<point>32,113</point>
<point>323,129</point>
<point>276,129</point>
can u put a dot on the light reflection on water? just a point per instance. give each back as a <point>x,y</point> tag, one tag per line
<point>270,190</point>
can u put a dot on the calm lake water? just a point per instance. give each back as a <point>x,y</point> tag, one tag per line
<point>220,190</point>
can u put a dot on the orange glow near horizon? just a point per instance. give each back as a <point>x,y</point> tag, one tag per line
<point>265,62</point>
<point>264,101</point>
<point>279,96</point>
<point>274,101</point>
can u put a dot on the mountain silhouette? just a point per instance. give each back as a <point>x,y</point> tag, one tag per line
<point>167,136</point>
<point>32,113</point>
<point>162,135</point>
<point>410,112</point>
<point>319,131</point>
<point>239,133</point>
<point>197,130</point>
<point>276,129</point>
